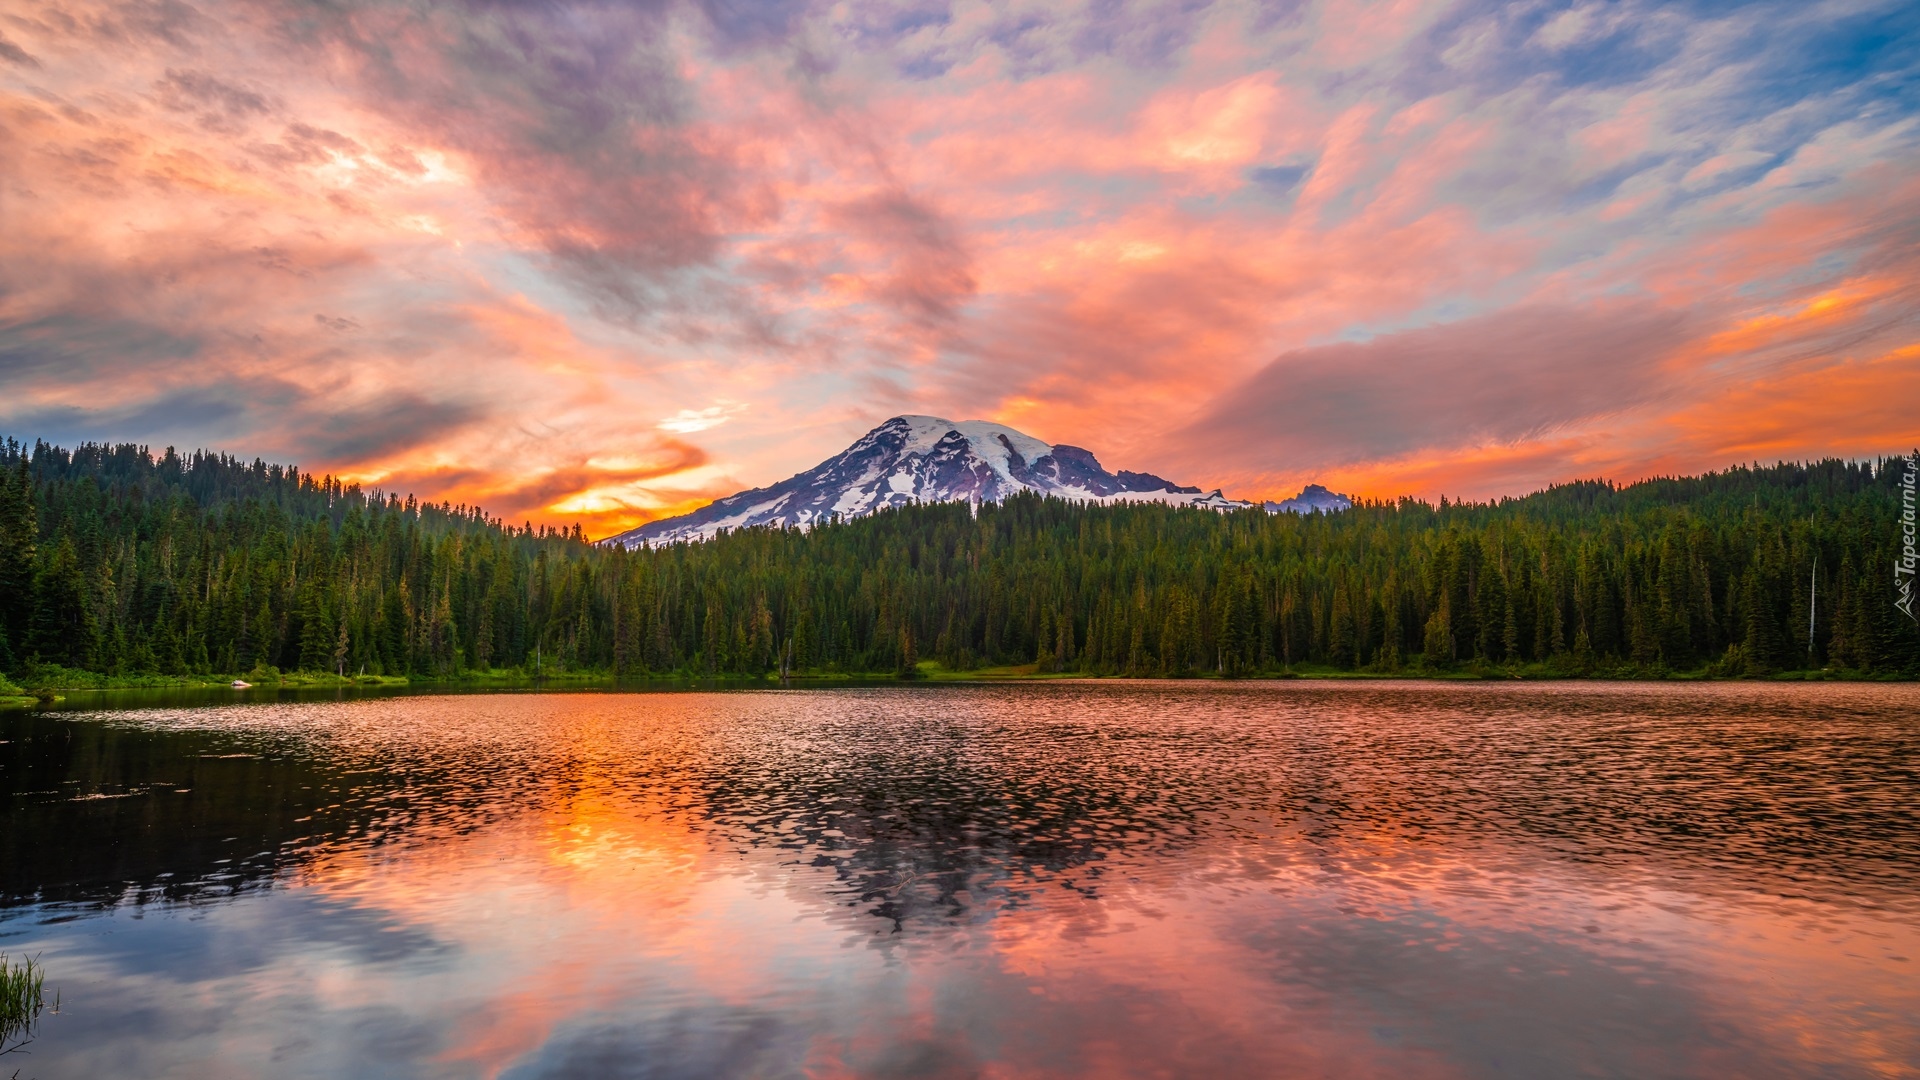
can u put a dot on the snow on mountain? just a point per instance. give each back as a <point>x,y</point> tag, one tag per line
<point>1314,499</point>
<point>913,459</point>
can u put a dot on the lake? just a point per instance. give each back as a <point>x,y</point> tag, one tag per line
<point>1032,880</point>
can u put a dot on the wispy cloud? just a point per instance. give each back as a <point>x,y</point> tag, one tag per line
<point>688,421</point>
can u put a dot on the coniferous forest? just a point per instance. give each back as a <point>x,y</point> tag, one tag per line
<point>120,564</point>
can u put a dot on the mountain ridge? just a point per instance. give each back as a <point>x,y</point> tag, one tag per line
<point>916,458</point>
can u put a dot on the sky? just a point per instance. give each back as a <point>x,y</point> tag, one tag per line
<point>604,262</point>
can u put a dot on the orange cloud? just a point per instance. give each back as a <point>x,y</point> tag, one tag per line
<point>487,250</point>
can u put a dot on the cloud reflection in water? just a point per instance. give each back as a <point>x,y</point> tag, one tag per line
<point>1156,879</point>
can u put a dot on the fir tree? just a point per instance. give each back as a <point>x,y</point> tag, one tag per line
<point>316,632</point>
<point>205,563</point>
<point>909,658</point>
<point>19,535</point>
<point>63,627</point>
<point>1763,636</point>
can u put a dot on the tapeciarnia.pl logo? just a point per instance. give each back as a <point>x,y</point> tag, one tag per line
<point>1903,564</point>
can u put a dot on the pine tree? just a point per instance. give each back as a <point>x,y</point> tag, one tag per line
<point>1491,615</point>
<point>1437,640</point>
<point>188,564</point>
<point>1763,639</point>
<point>395,640</point>
<point>341,645</point>
<point>1510,632</point>
<point>1340,636</point>
<point>266,635</point>
<point>19,534</point>
<point>1840,618</point>
<point>63,627</point>
<point>909,658</point>
<point>316,632</point>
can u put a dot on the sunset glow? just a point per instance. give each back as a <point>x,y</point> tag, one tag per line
<point>603,262</point>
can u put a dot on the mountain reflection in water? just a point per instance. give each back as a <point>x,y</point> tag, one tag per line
<point>1033,880</point>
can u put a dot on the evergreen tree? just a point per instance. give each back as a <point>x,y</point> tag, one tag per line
<point>317,632</point>
<point>266,635</point>
<point>1438,640</point>
<point>909,657</point>
<point>1491,615</point>
<point>1341,641</point>
<point>63,627</point>
<point>19,535</point>
<point>1763,635</point>
<point>204,563</point>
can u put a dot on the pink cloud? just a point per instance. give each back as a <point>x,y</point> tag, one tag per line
<point>485,249</point>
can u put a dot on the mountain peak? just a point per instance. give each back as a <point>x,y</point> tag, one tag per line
<point>914,458</point>
<point>1313,499</point>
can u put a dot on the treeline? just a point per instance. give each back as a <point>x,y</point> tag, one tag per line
<point>114,561</point>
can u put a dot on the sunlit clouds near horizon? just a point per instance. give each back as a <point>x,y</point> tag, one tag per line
<point>603,262</point>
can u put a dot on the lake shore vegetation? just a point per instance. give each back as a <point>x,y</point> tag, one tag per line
<point>122,569</point>
<point>22,997</point>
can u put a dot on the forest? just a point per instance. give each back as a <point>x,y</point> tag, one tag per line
<point>119,564</point>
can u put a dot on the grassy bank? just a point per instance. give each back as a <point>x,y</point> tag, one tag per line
<point>56,677</point>
<point>12,696</point>
<point>45,684</point>
<point>933,671</point>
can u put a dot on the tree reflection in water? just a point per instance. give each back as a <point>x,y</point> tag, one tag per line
<point>1380,879</point>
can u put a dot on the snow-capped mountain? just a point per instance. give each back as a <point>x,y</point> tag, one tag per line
<point>912,459</point>
<point>1313,499</point>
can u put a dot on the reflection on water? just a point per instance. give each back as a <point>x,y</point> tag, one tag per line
<point>1061,880</point>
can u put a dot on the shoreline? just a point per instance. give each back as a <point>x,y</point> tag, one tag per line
<point>930,675</point>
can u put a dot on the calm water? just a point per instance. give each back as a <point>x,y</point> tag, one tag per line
<point>1037,880</point>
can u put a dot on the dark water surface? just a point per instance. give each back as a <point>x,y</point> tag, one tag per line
<point>1341,880</point>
